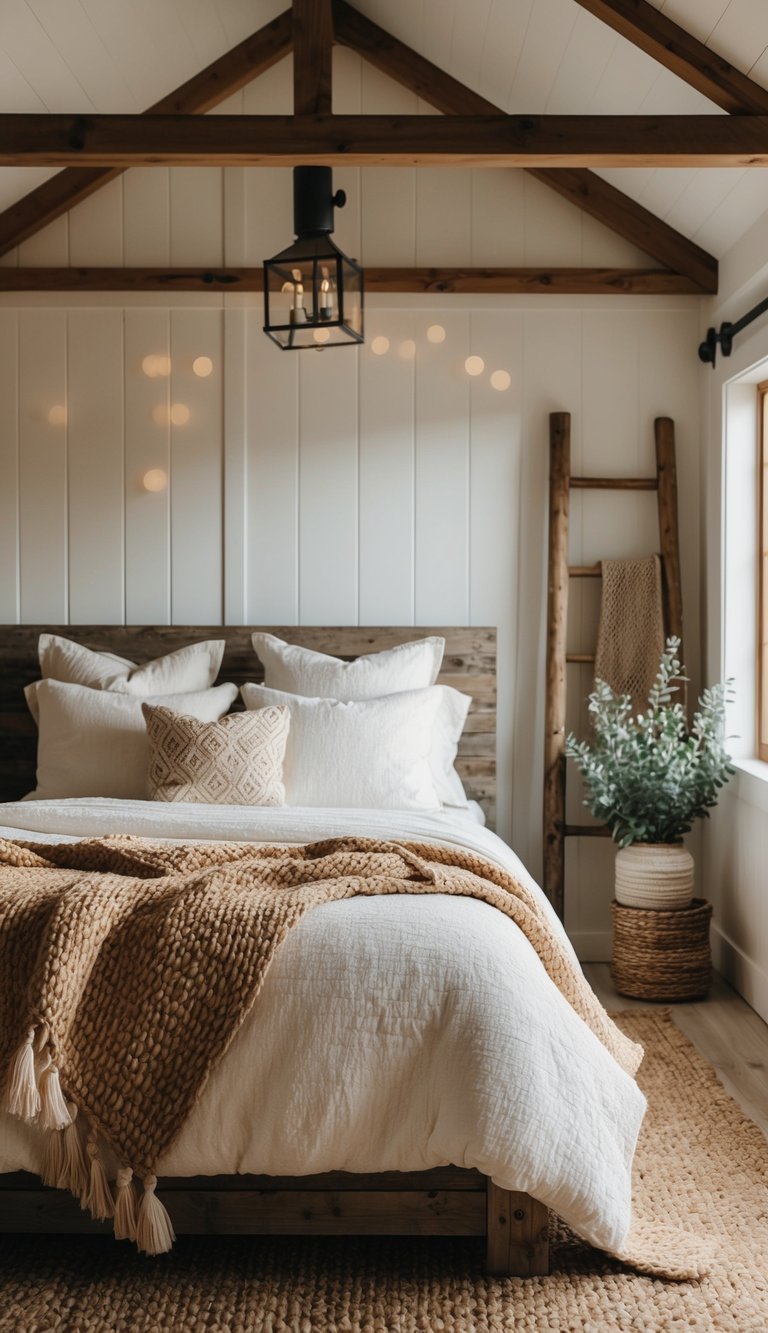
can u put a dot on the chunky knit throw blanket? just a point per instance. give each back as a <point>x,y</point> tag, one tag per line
<point>127,967</point>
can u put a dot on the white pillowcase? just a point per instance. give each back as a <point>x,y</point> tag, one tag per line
<point>409,666</point>
<point>194,667</point>
<point>94,742</point>
<point>365,754</point>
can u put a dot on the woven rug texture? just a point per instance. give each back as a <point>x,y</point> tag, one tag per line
<point>701,1165</point>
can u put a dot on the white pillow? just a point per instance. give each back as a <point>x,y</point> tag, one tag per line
<point>409,666</point>
<point>366,754</point>
<point>194,667</point>
<point>94,742</point>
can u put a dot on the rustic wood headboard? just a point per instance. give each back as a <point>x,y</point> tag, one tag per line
<point>469,665</point>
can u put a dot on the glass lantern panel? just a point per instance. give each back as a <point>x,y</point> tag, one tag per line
<point>352,287</point>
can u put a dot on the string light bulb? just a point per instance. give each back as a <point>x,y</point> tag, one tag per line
<point>380,345</point>
<point>501,380</point>
<point>57,415</point>
<point>202,366</point>
<point>156,367</point>
<point>474,365</point>
<point>407,349</point>
<point>436,333</point>
<point>179,414</point>
<point>155,480</point>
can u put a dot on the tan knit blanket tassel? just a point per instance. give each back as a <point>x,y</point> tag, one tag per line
<point>126,969</point>
<point>630,639</point>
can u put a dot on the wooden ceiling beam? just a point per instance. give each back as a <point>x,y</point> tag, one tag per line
<point>40,139</point>
<point>457,281</point>
<point>312,57</point>
<point>687,57</point>
<point>203,91</point>
<point>579,186</point>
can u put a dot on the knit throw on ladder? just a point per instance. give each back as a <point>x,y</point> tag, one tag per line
<point>630,640</point>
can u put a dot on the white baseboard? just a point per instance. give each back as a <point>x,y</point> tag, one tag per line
<point>592,946</point>
<point>747,976</point>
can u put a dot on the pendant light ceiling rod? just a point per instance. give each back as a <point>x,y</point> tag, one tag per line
<point>313,294</point>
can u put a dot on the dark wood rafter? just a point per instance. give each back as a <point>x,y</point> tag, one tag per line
<point>203,91</point>
<point>687,57</point>
<point>483,281</point>
<point>580,187</point>
<point>311,27</point>
<point>312,57</point>
<point>49,139</point>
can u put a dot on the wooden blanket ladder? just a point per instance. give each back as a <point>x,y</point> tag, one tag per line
<point>561,483</point>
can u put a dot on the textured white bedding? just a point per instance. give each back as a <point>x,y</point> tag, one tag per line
<point>392,1033</point>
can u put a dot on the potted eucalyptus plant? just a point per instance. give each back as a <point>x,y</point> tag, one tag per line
<point>648,777</point>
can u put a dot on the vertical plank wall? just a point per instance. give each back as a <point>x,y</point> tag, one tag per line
<point>345,487</point>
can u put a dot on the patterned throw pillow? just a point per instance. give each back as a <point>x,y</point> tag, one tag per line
<point>235,761</point>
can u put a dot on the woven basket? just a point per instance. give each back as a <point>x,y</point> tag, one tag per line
<point>662,955</point>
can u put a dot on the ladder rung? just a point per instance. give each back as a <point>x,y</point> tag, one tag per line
<point>584,658</point>
<point>585,571</point>
<point>614,483</point>
<point>586,831</point>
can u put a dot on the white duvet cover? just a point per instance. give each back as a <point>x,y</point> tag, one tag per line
<point>391,1034</point>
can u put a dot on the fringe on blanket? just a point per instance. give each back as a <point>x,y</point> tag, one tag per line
<point>73,1158</point>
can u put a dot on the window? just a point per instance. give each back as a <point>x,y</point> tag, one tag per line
<point>762,532</point>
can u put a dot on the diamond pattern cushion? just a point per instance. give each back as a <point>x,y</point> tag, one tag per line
<point>235,761</point>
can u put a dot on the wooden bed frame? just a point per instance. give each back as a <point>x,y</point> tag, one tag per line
<point>449,1201</point>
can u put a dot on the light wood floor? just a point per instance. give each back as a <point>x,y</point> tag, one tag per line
<point>723,1028</point>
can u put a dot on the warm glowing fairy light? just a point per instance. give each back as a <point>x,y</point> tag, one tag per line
<point>474,365</point>
<point>501,380</point>
<point>155,479</point>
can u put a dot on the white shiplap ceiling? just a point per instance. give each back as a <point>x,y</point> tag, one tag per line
<point>524,55</point>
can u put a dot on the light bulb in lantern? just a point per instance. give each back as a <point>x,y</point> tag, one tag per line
<point>321,336</point>
<point>154,480</point>
<point>298,313</point>
<point>501,380</point>
<point>160,414</point>
<point>325,296</point>
<point>202,366</point>
<point>380,345</point>
<point>436,333</point>
<point>474,365</point>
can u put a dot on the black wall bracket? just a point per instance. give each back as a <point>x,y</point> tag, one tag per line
<point>725,335</point>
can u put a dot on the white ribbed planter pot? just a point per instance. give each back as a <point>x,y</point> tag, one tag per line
<point>650,874</point>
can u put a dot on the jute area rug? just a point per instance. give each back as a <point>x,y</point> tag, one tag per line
<point>700,1161</point>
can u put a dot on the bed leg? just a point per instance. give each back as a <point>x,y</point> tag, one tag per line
<point>518,1234</point>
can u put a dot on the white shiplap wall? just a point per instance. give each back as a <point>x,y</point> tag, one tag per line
<point>343,487</point>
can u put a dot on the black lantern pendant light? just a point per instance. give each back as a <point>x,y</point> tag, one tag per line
<point>313,294</point>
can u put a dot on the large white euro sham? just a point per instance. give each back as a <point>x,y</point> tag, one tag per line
<point>297,670</point>
<point>409,666</point>
<point>372,754</point>
<point>94,742</point>
<point>191,668</point>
